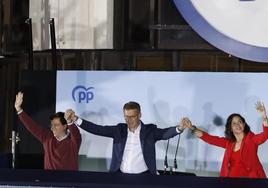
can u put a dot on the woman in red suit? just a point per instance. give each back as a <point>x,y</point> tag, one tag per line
<point>240,144</point>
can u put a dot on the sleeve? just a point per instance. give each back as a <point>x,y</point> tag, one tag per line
<point>75,135</point>
<point>261,137</point>
<point>108,131</point>
<point>164,134</point>
<point>214,140</point>
<point>36,130</point>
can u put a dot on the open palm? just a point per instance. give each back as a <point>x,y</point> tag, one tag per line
<point>18,101</point>
<point>261,108</point>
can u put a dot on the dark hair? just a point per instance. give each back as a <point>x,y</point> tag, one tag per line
<point>132,105</point>
<point>228,129</point>
<point>59,115</point>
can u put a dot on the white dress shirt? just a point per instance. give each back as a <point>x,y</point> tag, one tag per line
<point>133,161</point>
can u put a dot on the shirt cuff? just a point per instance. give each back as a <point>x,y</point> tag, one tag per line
<point>78,122</point>
<point>19,112</point>
<point>179,131</point>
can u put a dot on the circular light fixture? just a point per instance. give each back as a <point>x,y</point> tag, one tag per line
<point>238,27</point>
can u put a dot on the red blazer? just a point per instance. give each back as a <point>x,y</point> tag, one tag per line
<point>248,152</point>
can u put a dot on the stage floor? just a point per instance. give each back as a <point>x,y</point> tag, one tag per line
<point>41,178</point>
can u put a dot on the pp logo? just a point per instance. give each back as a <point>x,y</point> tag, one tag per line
<point>81,93</point>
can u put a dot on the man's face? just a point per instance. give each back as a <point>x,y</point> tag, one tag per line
<point>58,129</point>
<point>132,118</point>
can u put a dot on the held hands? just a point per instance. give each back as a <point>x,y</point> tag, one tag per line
<point>18,101</point>
<point>70,116</point>
<point>182,125</point>
<point>186,123</point>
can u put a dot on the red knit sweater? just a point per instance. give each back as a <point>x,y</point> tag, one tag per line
<point>58,155</point>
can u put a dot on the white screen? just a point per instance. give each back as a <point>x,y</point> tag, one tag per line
<point>165,97</point>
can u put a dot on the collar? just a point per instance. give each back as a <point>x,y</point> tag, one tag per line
<point>137,130</point>
<point>65,136</point>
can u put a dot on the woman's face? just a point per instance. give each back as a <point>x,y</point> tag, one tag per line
<point>237,125</point>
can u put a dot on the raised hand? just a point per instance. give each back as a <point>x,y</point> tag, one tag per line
<point>186,123</point>
<point>181,126</point>
<point>261,109</point>
<point>70,116</point>
<point>18,101</point>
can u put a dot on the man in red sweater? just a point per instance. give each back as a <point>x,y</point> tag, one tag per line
<point>61,142</point>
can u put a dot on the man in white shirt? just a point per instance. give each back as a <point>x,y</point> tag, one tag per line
<point>133,141</point>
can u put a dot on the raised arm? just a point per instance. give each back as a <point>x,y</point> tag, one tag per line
<point>18,102</point>
<point>75,135</point>
<point>210,139</point>
<point>166,133</point>
<point>263,136</point>
<point>39,132</point>
<point>262,111</point>
<point>74,131</point>
<point>188,124</point>
<point>108,131</point>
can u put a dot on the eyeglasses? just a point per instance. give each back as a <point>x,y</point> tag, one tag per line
<point>131,117</point>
